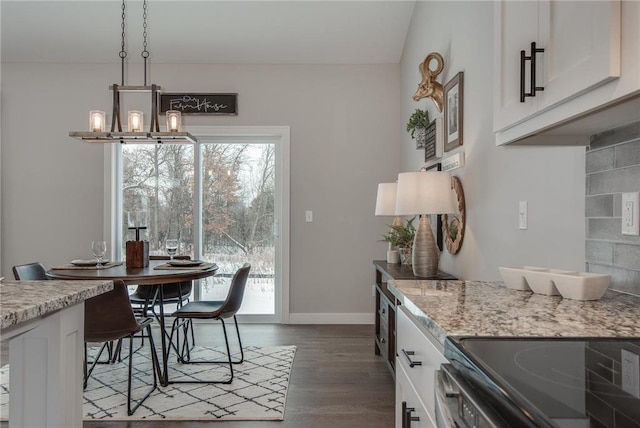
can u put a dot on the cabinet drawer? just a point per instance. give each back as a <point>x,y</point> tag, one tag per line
<point>415,347</point>
<point>407,401</point>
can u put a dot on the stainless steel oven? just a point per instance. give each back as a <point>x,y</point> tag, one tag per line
<point>499,382</point>
<point>458,405</point>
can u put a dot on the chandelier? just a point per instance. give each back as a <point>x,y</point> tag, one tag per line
<point>135,132</point>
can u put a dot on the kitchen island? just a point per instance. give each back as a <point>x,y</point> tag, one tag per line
<point>44,323</point>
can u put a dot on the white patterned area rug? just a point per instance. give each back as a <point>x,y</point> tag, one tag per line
<point>258,390</point>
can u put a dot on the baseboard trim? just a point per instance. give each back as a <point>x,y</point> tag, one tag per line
<point>336,318</point>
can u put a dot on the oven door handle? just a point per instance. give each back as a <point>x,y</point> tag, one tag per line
<point>445,393</point>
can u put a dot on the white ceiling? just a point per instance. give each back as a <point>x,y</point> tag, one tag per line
<point>181,31</point>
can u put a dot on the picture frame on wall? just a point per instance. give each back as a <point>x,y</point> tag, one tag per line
<point>453,112</point>
<point>436,219</point>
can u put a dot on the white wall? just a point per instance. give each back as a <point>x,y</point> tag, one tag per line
<point>345,122</point>
<point>494,178</point>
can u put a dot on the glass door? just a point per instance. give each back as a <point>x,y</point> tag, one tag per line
<point>226,201</point>
<point>238,217</point>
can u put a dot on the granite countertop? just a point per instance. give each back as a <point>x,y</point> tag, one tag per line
<point>478,308</point>
<point>22,301</point>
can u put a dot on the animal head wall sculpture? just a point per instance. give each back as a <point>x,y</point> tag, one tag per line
<point>429,88</point>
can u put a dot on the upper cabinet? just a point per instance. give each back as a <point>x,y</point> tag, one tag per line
<point>556,61</point>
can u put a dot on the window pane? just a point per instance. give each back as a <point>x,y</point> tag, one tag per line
<point>237,220</point>
<point>158,180</point>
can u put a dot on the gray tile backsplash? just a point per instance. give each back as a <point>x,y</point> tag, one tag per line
<point>612,167</point>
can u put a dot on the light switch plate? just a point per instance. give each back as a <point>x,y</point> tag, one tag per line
<point>523,216</point>
<point>631,213</point>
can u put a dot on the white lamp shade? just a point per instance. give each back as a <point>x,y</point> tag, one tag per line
<point>386,200</point>
<point>425,192</point>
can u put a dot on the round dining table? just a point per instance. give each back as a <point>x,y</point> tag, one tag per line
<point>148,275</point>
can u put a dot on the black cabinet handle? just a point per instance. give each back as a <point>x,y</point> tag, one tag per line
<point>523,58</point>
<point>532,58</point>
<point>406,415</point>
<point>410,418</point>
<point>534,51</point>
<point>407,355</point>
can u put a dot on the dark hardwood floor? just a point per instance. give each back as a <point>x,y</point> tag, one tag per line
<point>336,380</point>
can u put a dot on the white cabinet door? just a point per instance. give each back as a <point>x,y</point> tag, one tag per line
<point>516,26</point>
<point>581,42</point>
<point>410,411</point>
<point>419,357</point>
<point>582,48</point>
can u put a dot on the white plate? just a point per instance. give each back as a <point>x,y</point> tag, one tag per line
<point>184,263</point>
<point>87,262</point>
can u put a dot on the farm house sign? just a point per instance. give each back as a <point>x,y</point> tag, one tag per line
<point>209,104</point>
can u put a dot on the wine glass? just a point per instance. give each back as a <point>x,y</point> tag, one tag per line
<point>172,247</point>
<point>99,249</point>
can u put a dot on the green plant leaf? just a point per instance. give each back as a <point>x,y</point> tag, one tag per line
<point>418,119</point>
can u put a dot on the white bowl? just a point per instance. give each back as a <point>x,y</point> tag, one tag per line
<point>513,278</point>
<point>540,282</point>
<point>581,285</point>
<point>541,279</point>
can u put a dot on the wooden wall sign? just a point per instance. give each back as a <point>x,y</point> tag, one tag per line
<point>205,104</point>
<point>434,140</point>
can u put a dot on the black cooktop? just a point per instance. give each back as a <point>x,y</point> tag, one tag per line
<point>551,382</point>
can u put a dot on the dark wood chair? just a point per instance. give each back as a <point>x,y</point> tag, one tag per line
<point>146,298</point>
<point>35,271</point>
<point>216,310</point>
<point>109,317</point>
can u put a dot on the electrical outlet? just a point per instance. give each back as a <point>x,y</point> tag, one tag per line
<point>630,214</point>
<point>630,373</point>
<point>522,215</point>
<point>308,216</point>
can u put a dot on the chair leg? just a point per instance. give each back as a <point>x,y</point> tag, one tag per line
<point>186,361</point>
<point>155,369</point>
<point>239,342</point>
<point>87,373</point>
<point>84,367</point>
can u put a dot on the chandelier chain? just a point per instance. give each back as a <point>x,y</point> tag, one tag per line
<point>145,52</point>
<point>123,52</point>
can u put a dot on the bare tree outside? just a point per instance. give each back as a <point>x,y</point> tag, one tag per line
<point>237,209</point>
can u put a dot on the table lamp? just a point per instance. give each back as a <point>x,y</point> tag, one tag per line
<point>386,202</point>
<point>423,193</point>
<point>386,206</point>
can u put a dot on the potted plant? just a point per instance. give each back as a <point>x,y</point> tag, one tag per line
<point>401,238</point>
<point>418,122</point>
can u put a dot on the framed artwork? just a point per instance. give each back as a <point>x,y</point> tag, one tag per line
<point>453,112</point>
<point>436,219</point>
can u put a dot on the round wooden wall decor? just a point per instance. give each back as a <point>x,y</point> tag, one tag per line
<point>453,226</point>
